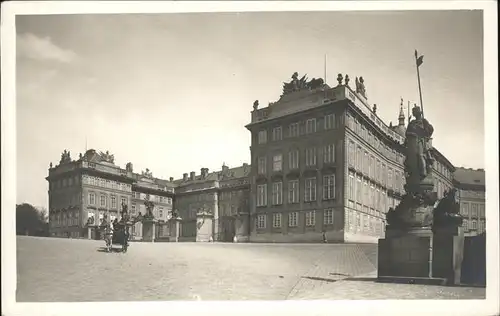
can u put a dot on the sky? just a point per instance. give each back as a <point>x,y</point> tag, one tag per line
<point>173,92</point>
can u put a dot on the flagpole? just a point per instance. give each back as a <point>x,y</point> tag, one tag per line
<point>324,81</point>
<point>419,86</point>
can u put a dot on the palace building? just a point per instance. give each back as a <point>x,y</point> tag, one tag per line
<point>471,190</point>
<point>323,164</point>
<point>82,192</point>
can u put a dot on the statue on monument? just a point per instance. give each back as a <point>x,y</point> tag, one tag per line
<point>418,162</point>
<point>417,205</point>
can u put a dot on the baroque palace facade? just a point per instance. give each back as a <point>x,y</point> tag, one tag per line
<point>324,165</point>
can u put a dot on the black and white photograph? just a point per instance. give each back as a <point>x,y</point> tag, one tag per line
<point>250,153</point>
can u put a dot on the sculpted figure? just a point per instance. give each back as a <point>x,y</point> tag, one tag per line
<point>418,163</point>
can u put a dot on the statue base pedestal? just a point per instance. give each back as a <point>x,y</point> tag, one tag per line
<point>149,230</point>
<point>204,227</point>
<point>421,255</point>
<point>242,228</point>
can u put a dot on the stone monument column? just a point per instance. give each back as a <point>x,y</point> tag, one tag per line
<point>204,226</point>
<point>242,224</point>
<point>175,229</point>
<point>149,229</point>
<point>422,244</point>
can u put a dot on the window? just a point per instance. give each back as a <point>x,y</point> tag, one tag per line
<point>328,216</point>
<point>124,201</point>
<point>474,224</point>
<point>261,165</point>
<point>133,208</point>
<point>169,200</point>
<point>465,224</point>
<point>261,221</point>
<point>465,209</point>
<point>293,130</point>
<point>329,153</point>
<point>310,190</point>
<point>262,195</point>
<point>351,188</point>
<point>330,121</point>
<point>351,153</point>
<point>277,193</point>
<point>293,191</point>
<point>277,133</point>
<point>293,159</point>
<point>311,156</point>
<point>359,159</point>
<point>293,219</point>
<point>277,162</point>
<point>310,218</point>
<point>329,187</point>
<point>70,181</point>
<point>160,211</point>
<point>389,178</point>
<point>113,201</point>
<point>311,126</point>
<point>474,209</point>
<point>481,210</point>
<point>262,137</point>
<point>372,167</point>
<point>276,220</point>
<point>103,200</point>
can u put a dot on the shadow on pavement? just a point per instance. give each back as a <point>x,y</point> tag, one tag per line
<point>103,249</point>
<point>320,279</point>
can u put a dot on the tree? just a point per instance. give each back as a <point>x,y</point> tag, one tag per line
<point>30,221</point>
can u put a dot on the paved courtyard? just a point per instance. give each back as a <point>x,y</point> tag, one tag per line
<point>69,270</point>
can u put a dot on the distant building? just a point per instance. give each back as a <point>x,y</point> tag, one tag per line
<point>82,192</point>
<point>471,191</point>
<point>224,194</point>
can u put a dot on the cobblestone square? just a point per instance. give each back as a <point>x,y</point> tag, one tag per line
<point>74,270</point>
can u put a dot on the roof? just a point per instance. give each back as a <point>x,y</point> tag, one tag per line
<point>225,174</point>
<point>470,176</point>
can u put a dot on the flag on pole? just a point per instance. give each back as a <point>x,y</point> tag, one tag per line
<point>420,59</point>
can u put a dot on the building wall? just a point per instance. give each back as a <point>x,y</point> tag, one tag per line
<point>279,214</point>
<point>472,208</point>
<point>374,179</point>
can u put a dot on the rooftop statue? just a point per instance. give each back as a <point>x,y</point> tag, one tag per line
<point>65,157</point>
<point>147,173</point>
<point>107,156</point>
<point>297,84</point>
<point>360,86</point>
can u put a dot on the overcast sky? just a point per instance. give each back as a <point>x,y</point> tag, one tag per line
<point>172,92</point>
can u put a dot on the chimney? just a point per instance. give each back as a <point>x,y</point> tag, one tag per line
<point>185,177</point>
<point>192,175</point>
<point>171,179</point>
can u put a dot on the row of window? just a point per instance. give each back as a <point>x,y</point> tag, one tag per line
<point>293,219</point>
<point>373,140</point>
<point>479,226</point>
<point>103,200</point>
<point>64,219</point>
<point>65,182</point>
<point>472,209</point>
<point>293,190</point>
<point>357,222</point>
<point>231,195</point>
<point>311,158</point>
<point>152,197</point>
<point>374,168</point>
<point>106,183</point>
<point>299,128</point>
<point>366,193</point>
